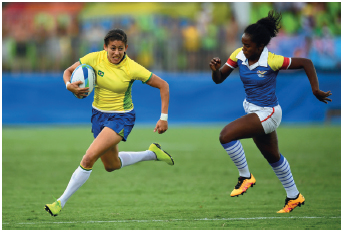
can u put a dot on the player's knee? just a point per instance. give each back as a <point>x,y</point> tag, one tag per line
<point>221,139</point>
<point>109,169</point>
<point>112,168</point>
<point>225,137</point>
<point>88,160</point>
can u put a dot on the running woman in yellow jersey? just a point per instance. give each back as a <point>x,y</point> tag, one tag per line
<point>113,113</point>
<point>258,69</point>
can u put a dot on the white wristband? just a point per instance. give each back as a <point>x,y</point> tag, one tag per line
<point>67,84</point>
<point>164,116</point>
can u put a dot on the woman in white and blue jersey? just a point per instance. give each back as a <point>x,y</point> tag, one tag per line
<point>258,70</point>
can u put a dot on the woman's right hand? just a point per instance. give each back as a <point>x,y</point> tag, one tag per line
<point>219,75</point>
<point>215,64</point>
<point>74,87</point>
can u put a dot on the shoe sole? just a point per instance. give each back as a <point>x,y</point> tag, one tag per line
<point>244,191</point>
<point>49,211</point>
<point>158,145</point>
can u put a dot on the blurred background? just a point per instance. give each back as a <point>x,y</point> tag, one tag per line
<point>45,129</point>
<point>174,40</point>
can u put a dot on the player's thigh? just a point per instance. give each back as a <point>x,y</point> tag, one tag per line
<point>268,146</point>
<point>106,139</point>
<point>110,159</point>
<point>247,126</point>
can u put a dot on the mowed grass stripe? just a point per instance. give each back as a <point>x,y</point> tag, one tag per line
<point>171,220</point>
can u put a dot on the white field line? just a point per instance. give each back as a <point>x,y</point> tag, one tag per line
<point>167,220</point>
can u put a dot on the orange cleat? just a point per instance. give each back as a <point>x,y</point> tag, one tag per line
<point>242,185</point>
<point>291,204</point>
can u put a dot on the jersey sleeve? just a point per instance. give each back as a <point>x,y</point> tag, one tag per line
<point>90,59</point>
<point>278,62</point>
<point>233,60</point>
<point>140,73</point>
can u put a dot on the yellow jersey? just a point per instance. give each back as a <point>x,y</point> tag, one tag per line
<point>112,92</point>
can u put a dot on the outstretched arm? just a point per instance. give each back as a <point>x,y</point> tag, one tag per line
<point>219,75</point>
<point>307,65</point>
<point>157,82</point>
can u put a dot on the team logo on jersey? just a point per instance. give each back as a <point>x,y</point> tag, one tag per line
<point>100,73</point>
<point>261,73</point>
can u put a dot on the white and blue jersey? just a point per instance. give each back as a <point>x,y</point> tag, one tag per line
<point>259,79</point>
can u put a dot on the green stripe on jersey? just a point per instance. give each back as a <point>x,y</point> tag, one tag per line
<point>148,78</point>
<point>127,102</point>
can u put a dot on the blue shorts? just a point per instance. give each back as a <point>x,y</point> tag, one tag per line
<point>121,123</point>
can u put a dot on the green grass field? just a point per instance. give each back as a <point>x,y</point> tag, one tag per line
<point>37,164</point>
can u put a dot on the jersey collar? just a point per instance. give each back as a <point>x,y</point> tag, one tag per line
<point>125,55</point>
<point>263,60</point>
<point>119,63</point>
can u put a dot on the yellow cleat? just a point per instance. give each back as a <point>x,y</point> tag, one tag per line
<point>242,185</point>
<point>291,204</point>
<point>160,154</point>
<point>53,209</point>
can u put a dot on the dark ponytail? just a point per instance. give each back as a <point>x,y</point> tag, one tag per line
<point>265,28</point>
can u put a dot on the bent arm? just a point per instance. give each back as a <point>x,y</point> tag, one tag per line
<point>219,74</point>
<point>74,87</point>
<point>163,86</point>
<point>307,65</point>
<point>68,72</point>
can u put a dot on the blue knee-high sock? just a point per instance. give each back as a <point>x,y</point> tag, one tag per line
<point>236,153</point>
<point>283,172</point>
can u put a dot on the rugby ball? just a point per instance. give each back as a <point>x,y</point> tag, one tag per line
<point>84,73</point>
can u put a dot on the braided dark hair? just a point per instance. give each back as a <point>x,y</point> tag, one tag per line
<point>115,34</point>
<point>265,28</point>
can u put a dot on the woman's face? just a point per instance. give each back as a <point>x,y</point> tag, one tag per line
<point>250,49</point>
<point>115,51</point>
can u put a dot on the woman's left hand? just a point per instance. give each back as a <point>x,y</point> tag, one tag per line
<point>161,126</point>
<point>322,96</point>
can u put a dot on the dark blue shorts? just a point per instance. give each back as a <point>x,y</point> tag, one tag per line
<point>121,123</point>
